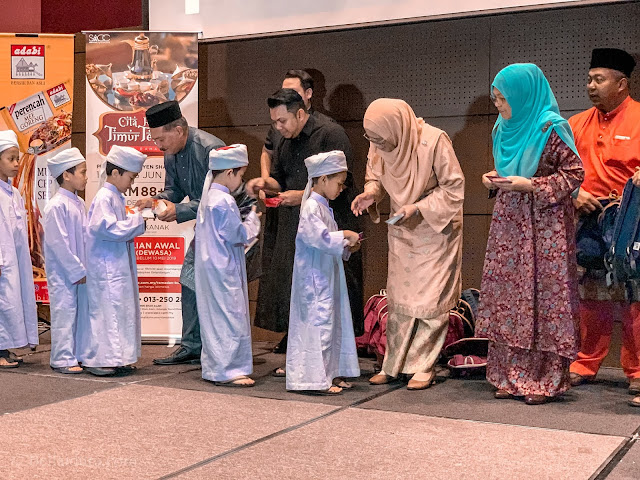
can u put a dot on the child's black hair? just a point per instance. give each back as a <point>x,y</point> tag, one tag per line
<point>111,167</point>
<point>60,178</point>
<point>215,173</point>
<point>331,175</point>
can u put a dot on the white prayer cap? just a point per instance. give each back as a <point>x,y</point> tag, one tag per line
<point>8,139</point>
<point>222,158</point>
<point>64,160</point>
<point>323,164</point>
<point>126,157</point>
<point>326,163</point>
<point>233,156</point>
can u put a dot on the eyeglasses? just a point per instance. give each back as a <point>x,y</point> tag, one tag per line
<point>375,141</point>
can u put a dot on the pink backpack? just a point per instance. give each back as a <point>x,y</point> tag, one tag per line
<point>374,339</point>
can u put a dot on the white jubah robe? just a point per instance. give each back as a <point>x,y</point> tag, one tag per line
<point>65,222</point>
<point>321,344</point>
<point>221,285</point>
<point>114,337</point>
<point>18,311</point>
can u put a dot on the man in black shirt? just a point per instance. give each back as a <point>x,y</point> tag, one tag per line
<point>301,135</point>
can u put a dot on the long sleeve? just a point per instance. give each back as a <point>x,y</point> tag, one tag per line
<point>172,191</point>
<point>229,225</point>
<point>446,199</point>
<point>374,185</point>
<point>314,232</point>
<point>555,188</point>
<point>105,225</point>
<point>251,224</point>
<point>57,237</point>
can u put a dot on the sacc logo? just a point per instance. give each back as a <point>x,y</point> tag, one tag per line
<point>99,37</point>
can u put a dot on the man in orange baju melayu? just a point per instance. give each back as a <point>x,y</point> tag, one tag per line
<point>608,140</point>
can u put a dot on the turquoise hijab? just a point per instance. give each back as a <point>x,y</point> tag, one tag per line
<point>518,142</point>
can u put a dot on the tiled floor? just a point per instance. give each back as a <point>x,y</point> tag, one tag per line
<point>166,422</point>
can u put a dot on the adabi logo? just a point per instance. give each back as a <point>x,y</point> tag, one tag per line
<point>99,37</point>
<point>27,61</point>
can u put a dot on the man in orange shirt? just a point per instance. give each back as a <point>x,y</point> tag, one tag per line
<point>608,140</point>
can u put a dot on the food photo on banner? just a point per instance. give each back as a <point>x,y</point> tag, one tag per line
<point>126,73</point>
<point>36,99</point>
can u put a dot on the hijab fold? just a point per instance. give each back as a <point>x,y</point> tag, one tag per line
<point>519,141</point>
<point>405,171</point>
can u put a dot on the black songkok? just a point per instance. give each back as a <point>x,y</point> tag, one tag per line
<point>163,114</point>
<point>613,58</point>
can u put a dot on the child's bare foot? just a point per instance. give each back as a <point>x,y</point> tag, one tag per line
<point>241,381</point>
<point>6,363</point>
<point>342,383</point>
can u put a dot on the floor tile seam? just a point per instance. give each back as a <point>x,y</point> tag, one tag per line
<point>273,435</point>
<point>470,420</point>
<point>609,465</point>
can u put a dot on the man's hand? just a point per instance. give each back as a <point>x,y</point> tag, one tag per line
<point>82,281</point>
<point>255,186</point>
<point>144,203</point>
<point>361,203</point>
<point>291,198</point>
<point>169,215</point>
<point>586,203</point>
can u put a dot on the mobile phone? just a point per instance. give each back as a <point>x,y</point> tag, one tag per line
<point>395,219</point>
<point>498,179</point>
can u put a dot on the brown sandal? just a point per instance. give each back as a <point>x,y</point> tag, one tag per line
<point>6,363</point>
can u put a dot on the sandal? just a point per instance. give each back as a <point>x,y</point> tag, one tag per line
<point>101,371</point>
<point>125,369</point>
<point>69,370</point>
<point>14,358</point>
<point>342,383</point>
<point>635,402</point>
<point>279,372</point>
<point>332,391</point>
<point>535,399</point>
<point>240,382</point>
<point>6,363</point>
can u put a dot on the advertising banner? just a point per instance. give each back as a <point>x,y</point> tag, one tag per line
<point>126,73</point>
<point>36,101</point>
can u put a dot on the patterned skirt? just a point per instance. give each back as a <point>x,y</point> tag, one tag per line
<point>527,372</point>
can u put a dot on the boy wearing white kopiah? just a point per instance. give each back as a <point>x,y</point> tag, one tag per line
<point>321,350</point>
<point>18,313</point>
<point>220,271</point>
<point>65,222</point>
<point>114,338</point>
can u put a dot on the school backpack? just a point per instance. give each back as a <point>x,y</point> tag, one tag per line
<point>623,258</point>
<point>594,233</point>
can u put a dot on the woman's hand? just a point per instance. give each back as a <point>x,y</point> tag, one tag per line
<point>408,210</point>
<point>361,203</point>
<point>488,183</point>
<point>518,184</point>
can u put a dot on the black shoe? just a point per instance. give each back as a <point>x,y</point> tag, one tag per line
<point>180,356</point>
<point>282,346</point>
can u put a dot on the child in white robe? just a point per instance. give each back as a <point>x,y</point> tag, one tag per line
<point>18,311</point>
<point>321,349</point>
<point>65,221</point>
<point>220,271</point>
<point>114,337</point>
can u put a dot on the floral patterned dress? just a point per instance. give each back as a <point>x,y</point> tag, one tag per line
<point>529,298</point>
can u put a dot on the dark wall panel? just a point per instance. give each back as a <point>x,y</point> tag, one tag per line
<point>443,69</point>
